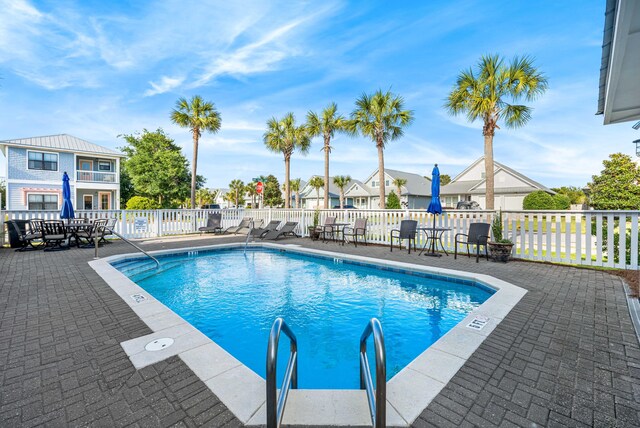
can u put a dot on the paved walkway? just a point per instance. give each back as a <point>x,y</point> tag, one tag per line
<point>566,355</point>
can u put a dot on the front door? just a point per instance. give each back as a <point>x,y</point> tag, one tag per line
<point>87,202</point>
<point>85,165</point>
<point>105,200</point>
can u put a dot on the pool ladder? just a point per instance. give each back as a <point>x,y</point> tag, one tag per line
<point>249,235</point>
<point>376,398</point>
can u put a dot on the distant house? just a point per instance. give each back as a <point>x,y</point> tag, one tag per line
<point>416,193</point>
<point>510,187</point>
<point>308,195</point>
<point>35,166</point>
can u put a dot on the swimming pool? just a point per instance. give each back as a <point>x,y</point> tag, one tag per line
<point>233,298</point>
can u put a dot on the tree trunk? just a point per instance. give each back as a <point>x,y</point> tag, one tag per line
<point>488,171</point>
<point>381,174</point>
<point>341,198</point>
<point>327,147</point>
<point>194,168</point>
<point>318,197</point>
<point>298,199</point>
<point>287,190</point>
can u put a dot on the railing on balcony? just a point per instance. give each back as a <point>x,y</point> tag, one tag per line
<point>97,177</point>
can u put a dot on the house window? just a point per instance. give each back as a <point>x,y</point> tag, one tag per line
<point>42,202</point>
<point>386,183</point>
<point>374,184</point>
<point>43,161</point>
<point>104,166</point>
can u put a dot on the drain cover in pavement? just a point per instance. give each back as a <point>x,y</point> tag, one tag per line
<point>159,344</point>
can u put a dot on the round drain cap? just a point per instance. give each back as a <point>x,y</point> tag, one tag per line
<point>159,344</point>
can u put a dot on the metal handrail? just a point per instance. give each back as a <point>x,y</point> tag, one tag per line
<point>246,241</point>
<point>275,404</point>
<point>377,405</point>
<point>128,242</point>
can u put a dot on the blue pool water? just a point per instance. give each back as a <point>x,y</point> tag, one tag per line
<point>234,298</point>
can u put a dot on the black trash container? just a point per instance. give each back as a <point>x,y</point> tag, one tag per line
<point>14,238</point>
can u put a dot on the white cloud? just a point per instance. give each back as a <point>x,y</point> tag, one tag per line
<point>166,84</point>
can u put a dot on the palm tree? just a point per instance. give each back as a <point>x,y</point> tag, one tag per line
<point>250,189</point>
<point>236,187</point>
<point>203,197</point>
<point>381,117</point>
<point>283,136</point>
<point>197,115</point>
<point>399,182</point>
<point>326,124</point>
<point>341,181</point>
<point>484,94</point>
<point>317,182</point>
<point>295,187</point>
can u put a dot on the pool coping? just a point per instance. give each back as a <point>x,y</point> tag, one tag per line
<point>409,392</point>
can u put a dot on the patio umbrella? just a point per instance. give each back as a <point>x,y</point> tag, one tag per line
<point>67,207</point>
<point>435,207</point>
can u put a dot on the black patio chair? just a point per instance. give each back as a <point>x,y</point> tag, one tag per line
<point>27,236</point>
<point>108,229</point>
<point>214,224</point>
<point>89,235</point>
<point>358,229</point>
<point>477,235</point>
<point>326,229</point>
<point>54,233</point>
<point>408,230</point>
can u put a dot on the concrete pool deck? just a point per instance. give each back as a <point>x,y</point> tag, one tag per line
<point>566,355</point>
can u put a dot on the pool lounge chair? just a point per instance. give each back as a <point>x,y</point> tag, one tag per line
<point>244,224</point>
<point>286,230</point>
<point>214,224</point>
<point>261,231</point>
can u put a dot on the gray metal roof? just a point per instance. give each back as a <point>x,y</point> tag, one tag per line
<point>459,187</point>
<point>416,183</point>
<point>63,142</point>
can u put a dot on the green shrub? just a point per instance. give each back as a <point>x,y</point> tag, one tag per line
<point>142,203</point>
<point>539,200</point>
<point>562,202</point>
<point>393,201</point>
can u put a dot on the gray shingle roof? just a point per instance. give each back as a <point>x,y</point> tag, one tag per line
<point>458,187</point>
<point>416,184</point>
<point>309,192</point>
<point>62,142</point>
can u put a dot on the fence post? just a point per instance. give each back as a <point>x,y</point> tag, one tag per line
<point>2,214</point>
<point>303,223</point>
<point>123,223</point>
<point>158,223</point>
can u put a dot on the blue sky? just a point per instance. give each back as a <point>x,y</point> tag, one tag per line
<point>98,69</point>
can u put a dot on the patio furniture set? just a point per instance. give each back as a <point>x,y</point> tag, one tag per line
<point>55,235</point>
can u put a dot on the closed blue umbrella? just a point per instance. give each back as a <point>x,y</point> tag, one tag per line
<point>435,207</point>
<point>67,207</point>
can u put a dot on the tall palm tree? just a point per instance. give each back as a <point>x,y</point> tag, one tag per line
<point>341,181</point>
<point>236,187</point>
<point>399,182</point>
<point>326,124</point>
<point>197,115</point>
<point>381,117</point>
<point>484,94</point>
<point>295,187</point>
<point>250,189</point>
<point>283,136</point>
<point>317,182</point>
<point>204,197</point>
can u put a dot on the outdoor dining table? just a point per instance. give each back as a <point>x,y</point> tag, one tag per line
<point>433,234</point>
<point>73,229</point>
<point>336,229</point>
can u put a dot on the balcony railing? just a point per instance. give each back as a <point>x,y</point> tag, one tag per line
<point>97,177</point>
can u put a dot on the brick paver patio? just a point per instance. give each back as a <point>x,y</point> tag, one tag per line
<point>566,355</point>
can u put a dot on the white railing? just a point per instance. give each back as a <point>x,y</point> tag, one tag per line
<point>573,237</point>
<point>96,176</point>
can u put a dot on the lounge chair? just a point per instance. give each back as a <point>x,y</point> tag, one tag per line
<point>477,235</point>
<point>260,231</point>
<point>53,235</point>
<point>408,230</point>
<point>358,229</point>
<point>214,224</point>
<point>286,230</point>
<point>244,224</point>
<point>27,237</point>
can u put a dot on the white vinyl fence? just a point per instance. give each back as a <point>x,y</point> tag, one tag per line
<point>595,238</point>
